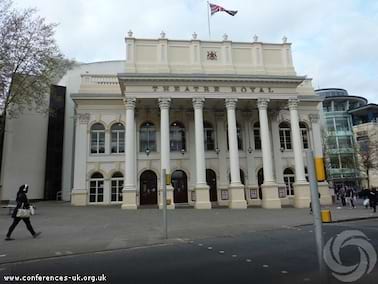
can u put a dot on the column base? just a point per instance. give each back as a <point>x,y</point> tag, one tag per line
<point>325,194</point>
<point>302,196</point>
<point>270,199</point>
<point>129,198</point>
<point>237,197</point>
<point>79,197</point>
<point>202,197</point>
<point>170,200</point>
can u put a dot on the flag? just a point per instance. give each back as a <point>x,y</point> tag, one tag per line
<point>216,8</point>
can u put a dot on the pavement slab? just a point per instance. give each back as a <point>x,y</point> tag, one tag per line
<point>74,230</point>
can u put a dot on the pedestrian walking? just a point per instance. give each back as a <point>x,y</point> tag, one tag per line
<point>355,193</point>
<point>342,196</point>
<point>373,199</point>
<point>22,203</point>
<point>349,195</point>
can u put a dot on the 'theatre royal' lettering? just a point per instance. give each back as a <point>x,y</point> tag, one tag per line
<point>212,89</point>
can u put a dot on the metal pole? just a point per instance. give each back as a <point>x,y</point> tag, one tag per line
<point>208,19</point>
<point>315,203</point>
<point>164,183</point>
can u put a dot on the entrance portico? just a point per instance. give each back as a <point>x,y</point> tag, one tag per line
<point>233,107</point>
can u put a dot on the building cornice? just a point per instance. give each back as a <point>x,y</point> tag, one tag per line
<point>210,78</point>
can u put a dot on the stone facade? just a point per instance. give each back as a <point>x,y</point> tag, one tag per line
<point>228,121</point>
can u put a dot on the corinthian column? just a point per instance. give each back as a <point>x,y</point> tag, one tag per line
<point>236,189</point>
<point>164,104</point>
<point>201,188</point>
<point>79,194</point>
<point>270,198</point>
<point>301,186</point>
<point>129,189</point>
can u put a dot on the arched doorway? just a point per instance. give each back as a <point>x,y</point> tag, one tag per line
<point>260,181</point>
<point>148,188</point>
<point>211,180</point>
<point>180,185</point>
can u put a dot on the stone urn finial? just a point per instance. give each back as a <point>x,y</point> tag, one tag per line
<point>194,35</point>
<point>284,39</point>
<point>162,34</point>
<point>130,33</point>
<point>225,37</point>
<point>255,38</point>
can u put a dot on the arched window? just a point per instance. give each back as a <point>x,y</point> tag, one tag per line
<point>97,138</point>
<point>239,136</point>
<point>256,135</point>
<point>304,133</point>
<point>177,137</point>
<point>285,136</point>
<point>147,137</point>
<point>209,136</point>
<point>117,138</point>
<point>117,186</point>
<point>96,188</point>
<point>289,179</point>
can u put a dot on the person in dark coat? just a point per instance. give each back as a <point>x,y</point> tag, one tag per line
<point>22,203</point>
<point>373,199</point>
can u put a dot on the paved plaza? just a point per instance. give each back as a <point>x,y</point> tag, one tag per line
<point>73,230</point>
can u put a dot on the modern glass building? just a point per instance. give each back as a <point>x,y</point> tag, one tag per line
<point>339,144</point>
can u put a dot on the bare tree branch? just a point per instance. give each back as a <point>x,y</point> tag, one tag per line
<point>30,60</point>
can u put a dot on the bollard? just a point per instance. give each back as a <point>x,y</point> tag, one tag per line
<point>326,216</point>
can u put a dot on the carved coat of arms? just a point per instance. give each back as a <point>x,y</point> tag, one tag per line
<point>212,55</point>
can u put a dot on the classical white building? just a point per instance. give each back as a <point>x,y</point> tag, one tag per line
<point>227,120</point>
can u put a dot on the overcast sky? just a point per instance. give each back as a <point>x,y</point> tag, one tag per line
<point>335,42</point>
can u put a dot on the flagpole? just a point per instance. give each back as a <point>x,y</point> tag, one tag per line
<point>208,18</point>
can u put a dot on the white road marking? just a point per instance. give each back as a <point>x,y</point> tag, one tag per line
<point>200,245</point>
<point>221,251</point>
<point>234,255</point>
<point>284,272</point>
<point>210,248</point>
<point>310,231</point>
<point>248,260</point>
<point>265,266</point>
<point>58,253</point>
<point>190,242</point>
<point>68,252</point>
<point>2,255</point>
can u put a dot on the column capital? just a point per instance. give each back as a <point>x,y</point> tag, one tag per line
<point>83,118</point>
<point>314,117</point>
<point>164,103</point>
<point>129,102</point>
<point>198,103</point>
<point>231,103</point>
<point>293,104</point>
<point>262,103</point>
